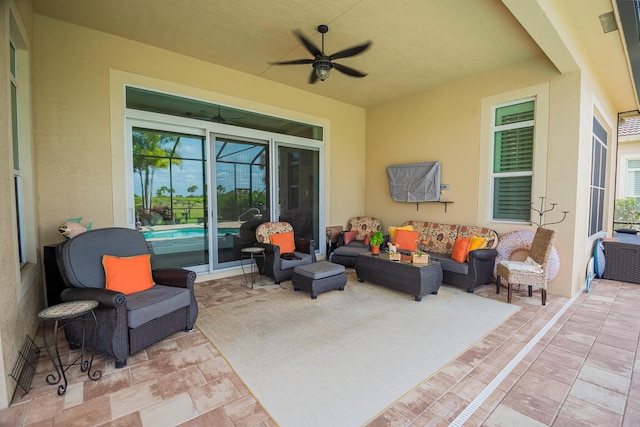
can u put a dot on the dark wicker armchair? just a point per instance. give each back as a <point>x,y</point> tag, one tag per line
<point>273,265</point>
<point>126,323</point>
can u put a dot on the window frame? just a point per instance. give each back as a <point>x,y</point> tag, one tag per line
<point>598,177</point>
<point>485,149</point>
<point>628,180</point>
<point>493,175</point>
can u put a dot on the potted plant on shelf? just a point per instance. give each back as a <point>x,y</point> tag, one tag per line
<point>376,239</point>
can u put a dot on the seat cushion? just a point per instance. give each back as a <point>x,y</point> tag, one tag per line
<point>153,303</point>
<point>449,264</point>
<point>319,270</point>
<point>350,251</point>
<point>286,264</point>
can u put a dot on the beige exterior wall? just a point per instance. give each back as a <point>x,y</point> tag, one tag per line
<point>77,76</point>
<point>21,289</point>
<point>80,121</point>
<point>451,124</point>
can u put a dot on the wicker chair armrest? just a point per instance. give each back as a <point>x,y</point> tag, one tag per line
<point>176,277</point>
<point>305,245</point>
<point>105,297</point>
<point>269,249</point>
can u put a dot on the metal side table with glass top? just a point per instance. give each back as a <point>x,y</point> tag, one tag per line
<point>61,315</point>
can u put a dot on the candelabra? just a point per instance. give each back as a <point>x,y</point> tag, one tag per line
<point>544,210</point>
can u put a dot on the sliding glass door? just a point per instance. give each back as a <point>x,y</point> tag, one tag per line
<point>170,196</point>
<point>197,189</point>
<point>242,197</point>
<point>299,190</point>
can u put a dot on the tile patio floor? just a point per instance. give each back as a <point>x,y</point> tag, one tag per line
<point>584,371</point>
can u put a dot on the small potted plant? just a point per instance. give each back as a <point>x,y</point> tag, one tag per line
<point>376,239</point>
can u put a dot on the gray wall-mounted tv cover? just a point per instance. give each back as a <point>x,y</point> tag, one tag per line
<point>415,182</point>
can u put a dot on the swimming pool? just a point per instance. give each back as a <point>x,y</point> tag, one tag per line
<point>177,233</point>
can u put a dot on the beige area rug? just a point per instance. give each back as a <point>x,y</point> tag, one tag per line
<point>341,359</point>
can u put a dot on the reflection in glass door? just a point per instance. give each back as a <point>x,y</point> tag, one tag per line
<point>242,196</point>
<point>170,196</point>
<point>298,179</point>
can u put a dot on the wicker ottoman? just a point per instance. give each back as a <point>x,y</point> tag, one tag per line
<point>319,277</point>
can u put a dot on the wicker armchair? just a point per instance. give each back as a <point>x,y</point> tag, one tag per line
<point>126,323</point>
<point>523,273</point>
<point>348,249</point>
<point>273,265</point>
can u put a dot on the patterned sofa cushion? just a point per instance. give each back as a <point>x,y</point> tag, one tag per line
<point>364,225</point>
<point>491,236</point>
<point>435,237</point>
<point>441,237</point>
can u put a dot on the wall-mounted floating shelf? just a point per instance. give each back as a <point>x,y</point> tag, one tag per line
<point>445,202</point>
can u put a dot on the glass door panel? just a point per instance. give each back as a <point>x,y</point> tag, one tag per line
<point>242,196</point>
<point>170,196</point>
<point>298,179</point>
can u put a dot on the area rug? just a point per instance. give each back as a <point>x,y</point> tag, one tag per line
<point>342,358</point>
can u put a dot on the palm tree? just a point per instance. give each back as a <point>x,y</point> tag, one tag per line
<point>152,151</point>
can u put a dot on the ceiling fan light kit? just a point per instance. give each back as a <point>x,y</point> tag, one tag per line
<point>323,64</point>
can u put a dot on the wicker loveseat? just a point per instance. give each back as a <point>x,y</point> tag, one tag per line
<point>437,240</point>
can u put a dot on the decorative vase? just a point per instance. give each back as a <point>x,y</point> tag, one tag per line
<point>375,250</point>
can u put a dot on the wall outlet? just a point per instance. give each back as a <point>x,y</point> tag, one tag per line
<point>444,186</point>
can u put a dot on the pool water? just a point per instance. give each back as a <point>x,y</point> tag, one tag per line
<point>176,233</point>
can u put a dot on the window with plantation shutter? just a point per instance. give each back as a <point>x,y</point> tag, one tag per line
<point>513,152</point>
<point>598,177</point>
<point>633,178</point>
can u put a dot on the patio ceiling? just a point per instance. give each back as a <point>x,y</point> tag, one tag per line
<point>417,44</point>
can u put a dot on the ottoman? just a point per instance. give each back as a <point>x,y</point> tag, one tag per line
<point>319,277</point>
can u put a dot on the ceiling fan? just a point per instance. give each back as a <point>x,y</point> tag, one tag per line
<point>322,63</point>
<point>218,117</point>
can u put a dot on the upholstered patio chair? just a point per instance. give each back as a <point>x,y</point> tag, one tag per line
<point>355,240</point>
<point>278,238</point>
<point>531,272</point>
<point>138,306</point>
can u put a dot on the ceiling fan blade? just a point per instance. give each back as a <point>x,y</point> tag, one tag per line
<point>351,51</point>
<point>295,61</point>
<point>313,77</point>
<point>312,48</point>
<point>348,70</point>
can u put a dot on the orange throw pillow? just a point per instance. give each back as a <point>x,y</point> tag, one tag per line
<point>127,274</point>
<point>285,241</point>
<point>406,240</point>
<point>460,249</point>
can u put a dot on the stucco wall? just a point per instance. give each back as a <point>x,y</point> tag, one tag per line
<point>77,121</point>
<point>445,124</point>
<point>21,289</point>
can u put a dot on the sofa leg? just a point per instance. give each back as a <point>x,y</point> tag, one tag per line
<point>544,296</point>
<point>497,284</point>
<point>121,364</point>
<point>470,290</point>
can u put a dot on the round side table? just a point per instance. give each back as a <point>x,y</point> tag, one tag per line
<point>66,313</point>
<point>250,254</point>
